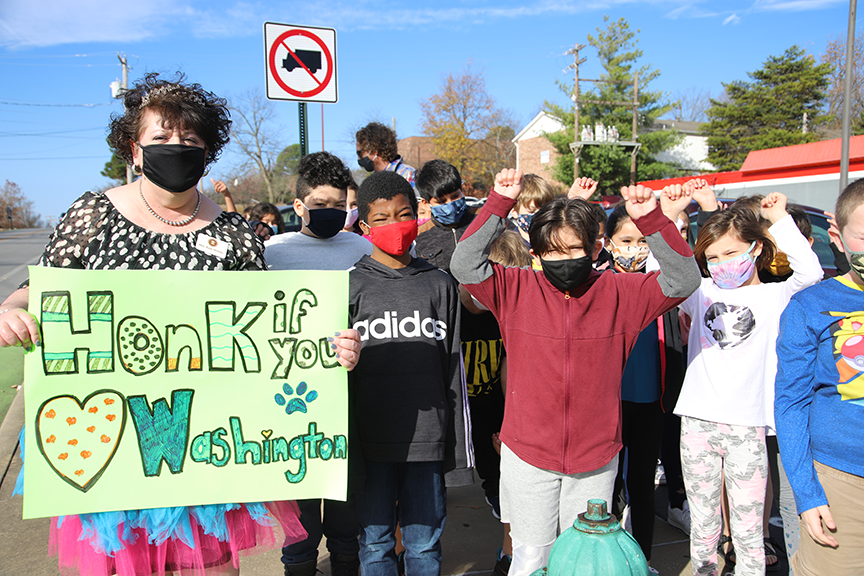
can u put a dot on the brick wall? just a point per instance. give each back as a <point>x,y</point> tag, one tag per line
<point>533,152</point>
<point>416,150</point>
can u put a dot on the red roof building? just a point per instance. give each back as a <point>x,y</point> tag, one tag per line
<point>806,173</point>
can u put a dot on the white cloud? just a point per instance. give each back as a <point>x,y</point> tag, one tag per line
<point>25,23</point>
<point>793,5</point>
<point>29,23</point>
<point>691,10</point>
<point>732,19</point>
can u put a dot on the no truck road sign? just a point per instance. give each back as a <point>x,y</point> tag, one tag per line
<point>300,62</point>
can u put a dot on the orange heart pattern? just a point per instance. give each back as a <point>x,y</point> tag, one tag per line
<point>79,439</point>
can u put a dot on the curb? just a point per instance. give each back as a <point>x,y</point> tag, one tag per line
<point>9,429</point>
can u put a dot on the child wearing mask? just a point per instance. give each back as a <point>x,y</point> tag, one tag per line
<point>322,188</point>
<point>568,331</point>
<point>440,187</point>
<point>535,193</point>
<point>725,401</point>
<point>818,405</point>
<point>321,204</point>
<point>651,380</point>
<point>408,392</point>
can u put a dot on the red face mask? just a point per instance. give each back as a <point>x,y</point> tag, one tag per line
<point>394,239</point>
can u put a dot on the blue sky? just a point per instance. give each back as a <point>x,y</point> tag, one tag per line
<point>58,57</point>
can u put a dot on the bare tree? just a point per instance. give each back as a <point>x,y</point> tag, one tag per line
<point>255,133</point>
<point>692,104</point>
<point>460,118</point>
<point>13,202</point>
<point>835,55</point>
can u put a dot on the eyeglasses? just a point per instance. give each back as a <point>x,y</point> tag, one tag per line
<point>360,153</point>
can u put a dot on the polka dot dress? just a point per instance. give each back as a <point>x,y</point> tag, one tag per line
<point>93,235</point>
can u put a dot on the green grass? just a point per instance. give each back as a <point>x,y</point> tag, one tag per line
<point>11,374</point>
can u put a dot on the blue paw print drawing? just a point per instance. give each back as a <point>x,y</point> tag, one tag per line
<point>297,404</point>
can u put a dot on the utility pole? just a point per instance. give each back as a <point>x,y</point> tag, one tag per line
<point>575,98</point>
<point>635,127</point>
<point>847,96</point>
<point>577,146</point>
<point>118,89</point>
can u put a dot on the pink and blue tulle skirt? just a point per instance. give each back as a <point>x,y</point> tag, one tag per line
<point>162,540</point>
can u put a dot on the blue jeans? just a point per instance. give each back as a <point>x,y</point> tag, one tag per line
<point>339,525</point>
<point>418,488</point>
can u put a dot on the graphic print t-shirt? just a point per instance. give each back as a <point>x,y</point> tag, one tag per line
<point>482,352</point>
<point>731,353</point>
<point>732,356</point>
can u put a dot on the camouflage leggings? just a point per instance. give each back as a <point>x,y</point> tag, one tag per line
<point>707,450</point>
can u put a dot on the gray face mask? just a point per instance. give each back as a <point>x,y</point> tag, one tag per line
<point>856,259</point>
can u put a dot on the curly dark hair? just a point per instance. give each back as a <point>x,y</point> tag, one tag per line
<point>378,138</point>
<point>321,169</point>
<point>179,104</point>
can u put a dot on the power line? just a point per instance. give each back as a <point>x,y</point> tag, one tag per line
<point>55,105</point>
<point>17,56</point>
<point>57,65</point>
<point>8,134</point>
<point>55,158</point>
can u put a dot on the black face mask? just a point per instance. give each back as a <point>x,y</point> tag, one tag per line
<point>567,275</point>
<point>366,163</point>
<point>326,222</point>
<point>174,167</point>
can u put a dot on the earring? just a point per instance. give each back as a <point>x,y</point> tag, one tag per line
<point>136,170</point>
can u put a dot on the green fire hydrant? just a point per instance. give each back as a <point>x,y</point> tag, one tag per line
<point>595,546</point>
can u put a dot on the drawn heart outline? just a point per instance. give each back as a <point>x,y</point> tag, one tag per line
<point>91,481</point>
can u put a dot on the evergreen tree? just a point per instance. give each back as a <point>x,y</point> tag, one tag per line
<point>610,164</point>
<point>768,111</point>
<point>115,168</point>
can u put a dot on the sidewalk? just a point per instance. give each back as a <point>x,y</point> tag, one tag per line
<point>470,541</point>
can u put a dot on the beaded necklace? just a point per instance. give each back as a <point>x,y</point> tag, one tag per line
<point>165,220</point>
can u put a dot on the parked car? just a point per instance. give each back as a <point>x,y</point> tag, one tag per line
<point>821,240</point>
<point>292,220</point>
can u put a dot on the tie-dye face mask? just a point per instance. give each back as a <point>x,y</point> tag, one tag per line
<point>733,273</point>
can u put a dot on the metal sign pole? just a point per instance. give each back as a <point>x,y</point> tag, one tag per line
<point>304,129</point>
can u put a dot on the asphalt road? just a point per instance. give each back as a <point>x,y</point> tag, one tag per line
<point>19,249</point>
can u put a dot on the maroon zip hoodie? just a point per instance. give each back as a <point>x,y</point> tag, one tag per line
<point>566,351</point>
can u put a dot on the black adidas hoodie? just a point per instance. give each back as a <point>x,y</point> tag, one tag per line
<point>408,389</point>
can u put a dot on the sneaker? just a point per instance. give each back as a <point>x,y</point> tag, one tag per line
<point>679,518</point>
<point>652,570</point>
<point>502,566</point>
<point>659,475</point>
<point>495,503</point>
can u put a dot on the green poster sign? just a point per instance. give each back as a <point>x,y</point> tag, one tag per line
<point>177,388</point>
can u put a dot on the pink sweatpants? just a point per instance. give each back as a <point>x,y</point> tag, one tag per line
<point>707,448</point>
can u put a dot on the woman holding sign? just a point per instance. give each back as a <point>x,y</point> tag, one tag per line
<point>169,132</point>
